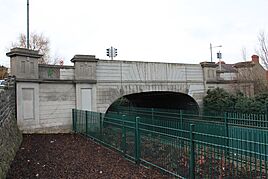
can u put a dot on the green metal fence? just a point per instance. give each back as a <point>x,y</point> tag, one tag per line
<point>184,144</point>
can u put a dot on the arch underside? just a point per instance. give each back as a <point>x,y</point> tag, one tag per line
<point>156,99</point>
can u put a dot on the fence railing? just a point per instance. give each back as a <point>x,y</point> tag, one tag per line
<point>182,144</point>
<point>233,118</point>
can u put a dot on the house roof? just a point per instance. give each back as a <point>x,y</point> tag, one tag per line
<point>244,64</point>
<point>232,68</point>
<point>227,68</point>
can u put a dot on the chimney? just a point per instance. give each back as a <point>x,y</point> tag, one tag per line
<point>255,59</point>
<point>221,62</point>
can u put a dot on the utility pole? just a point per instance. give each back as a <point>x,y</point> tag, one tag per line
<point>210,47</point>
<point>28,29</point>
<point>111,52</point>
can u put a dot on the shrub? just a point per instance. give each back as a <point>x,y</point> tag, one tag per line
<point>220,101</point>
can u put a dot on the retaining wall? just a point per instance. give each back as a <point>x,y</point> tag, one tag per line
<point>10,136</point>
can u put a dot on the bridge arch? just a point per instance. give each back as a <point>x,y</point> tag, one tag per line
<point>156,99</point>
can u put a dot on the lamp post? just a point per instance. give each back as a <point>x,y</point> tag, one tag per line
<point>210,46</point>
<point>28,34</point>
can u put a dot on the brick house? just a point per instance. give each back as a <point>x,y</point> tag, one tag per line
<point>249,77</point>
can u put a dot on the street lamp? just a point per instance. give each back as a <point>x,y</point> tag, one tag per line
<point>28,36</point>
<point>210,46</point>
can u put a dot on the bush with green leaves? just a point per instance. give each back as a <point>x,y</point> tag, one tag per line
<point>219,100</point>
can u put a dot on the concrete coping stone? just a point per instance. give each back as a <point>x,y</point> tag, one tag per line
<point>84,58</point>
<point>23,52</point>
<point>55,66</point>
<point>208,64</point>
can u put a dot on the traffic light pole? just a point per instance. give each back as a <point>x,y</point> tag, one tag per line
<point>112,53</point>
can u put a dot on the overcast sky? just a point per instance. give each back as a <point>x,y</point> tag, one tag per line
<point>177,31</point>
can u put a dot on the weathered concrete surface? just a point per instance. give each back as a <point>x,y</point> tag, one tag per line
<point>56,72</point>
<point>56,102</point>
<point>49,107</point>
<point>85,67</point>
<point>24,63</point>
<point>44,104</point>
<point>118,78</point>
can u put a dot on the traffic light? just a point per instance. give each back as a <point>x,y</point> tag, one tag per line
<point>111,52</point>
<point>108,52</point>
<point>115,52</point>
<point>219,56</point>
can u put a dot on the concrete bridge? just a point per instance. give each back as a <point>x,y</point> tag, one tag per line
<point>47,93</point>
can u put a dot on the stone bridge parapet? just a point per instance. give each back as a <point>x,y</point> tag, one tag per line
<point>47,93</point>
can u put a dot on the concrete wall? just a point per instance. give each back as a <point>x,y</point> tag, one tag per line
<point>10,136</point>
<point>56,72</point>
<point>108,70</point>
<point>50,105</point>
<point>44,103</point>
<point>27,105</point>
<point>56,102</point>
<point>228,76</point>
<point>119,78</point>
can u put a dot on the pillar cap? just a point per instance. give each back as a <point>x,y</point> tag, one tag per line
<point>23,52</point>
<point>208,64</point>
<point>84,58</point>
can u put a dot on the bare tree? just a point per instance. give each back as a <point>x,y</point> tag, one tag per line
<point>262,50</point>
<point>55,59</point>
<point>3,72</point>
<point>244,53</point>
<point>37,42</point>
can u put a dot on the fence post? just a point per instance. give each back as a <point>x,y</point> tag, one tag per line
<point>101,125</point>
<point>137,141</point>
<point>192,153</point>
<point>226,132</point>
<point>86,122</point>
<point>73,120</point>
<point>181,118</point>
<point>153,123</point>
<point>266,108</point>
<point>77,120</point>
<point>180,123</point>
<point>266,114</point>
<point>124,135</point>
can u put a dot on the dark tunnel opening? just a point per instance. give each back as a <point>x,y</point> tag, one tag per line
<point>156,99</point>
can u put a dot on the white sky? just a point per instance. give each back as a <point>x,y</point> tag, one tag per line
<point>176,31</point>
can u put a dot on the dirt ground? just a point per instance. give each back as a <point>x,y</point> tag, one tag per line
<point>72,156</point>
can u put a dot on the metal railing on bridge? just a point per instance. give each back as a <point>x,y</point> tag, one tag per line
<point>184,144</point>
